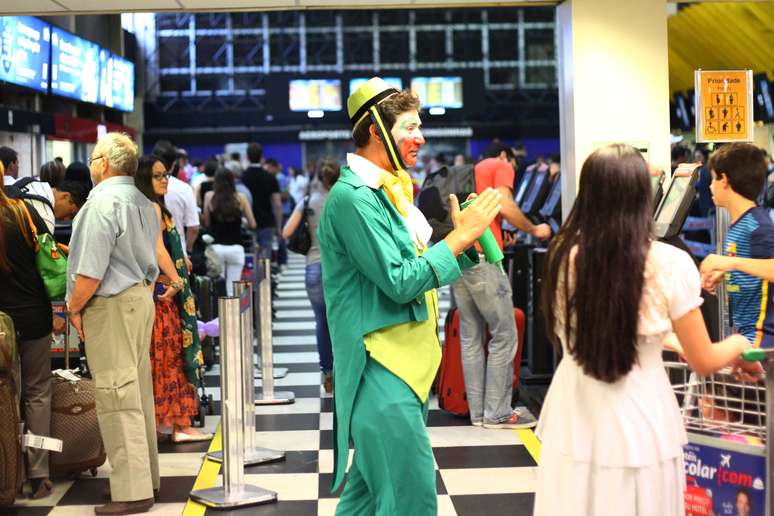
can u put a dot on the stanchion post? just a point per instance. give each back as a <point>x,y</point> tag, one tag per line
<point>769,367</point>
<point>234,492</point>
<point>721,230</point>
<point>278,372</point>
<point>252,455</point>
<point>268,396</point>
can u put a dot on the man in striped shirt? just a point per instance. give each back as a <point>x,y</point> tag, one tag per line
<point>738,172</point>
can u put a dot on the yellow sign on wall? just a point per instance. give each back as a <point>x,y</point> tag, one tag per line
<point>724,106</point>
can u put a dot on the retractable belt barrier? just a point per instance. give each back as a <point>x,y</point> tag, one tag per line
<point>252,455</point>
<point>235,373</point>
<point>268,395</point>
<point>258,265</point>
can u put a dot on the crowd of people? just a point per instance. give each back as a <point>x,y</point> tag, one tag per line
<point>610,425</point>
<point>129,295</point>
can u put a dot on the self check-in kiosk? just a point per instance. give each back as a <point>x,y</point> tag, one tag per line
<point>676,203</point>
<point>657,179</point>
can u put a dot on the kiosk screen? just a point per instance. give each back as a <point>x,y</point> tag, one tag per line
<point>673,199</point>
<point>525,182</point>
<point>677,201</point>
<point>553,199</point>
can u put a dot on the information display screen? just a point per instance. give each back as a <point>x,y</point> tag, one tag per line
<point>315,94</point>
<point>74,66</point>
<point>25,44</point>
<point>673,199</point>
<point>116,83</point>
<point>445,92</point>
<point>395,82</point>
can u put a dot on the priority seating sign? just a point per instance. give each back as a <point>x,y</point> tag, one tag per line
<point>724,105</point>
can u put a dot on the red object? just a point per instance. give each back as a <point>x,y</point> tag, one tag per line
<point>84,130</point>
<point>698,501</point>
<point>451,380</point>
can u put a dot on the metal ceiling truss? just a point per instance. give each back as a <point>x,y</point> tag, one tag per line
<point>224,55</point>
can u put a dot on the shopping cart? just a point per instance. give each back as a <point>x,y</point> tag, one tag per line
<point>728,428</point>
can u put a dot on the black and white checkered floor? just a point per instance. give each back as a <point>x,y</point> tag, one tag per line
<point>479,471</point>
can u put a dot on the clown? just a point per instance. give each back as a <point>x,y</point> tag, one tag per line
<point>380,279</point>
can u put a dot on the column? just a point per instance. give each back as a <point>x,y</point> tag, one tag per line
<point>613,81</point>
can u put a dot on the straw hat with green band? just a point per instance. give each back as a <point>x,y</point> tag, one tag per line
<point>365,101</point>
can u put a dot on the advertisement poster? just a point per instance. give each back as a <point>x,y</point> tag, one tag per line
<point>24,48</point>
<point>723,482</point>
<point>74,66</point>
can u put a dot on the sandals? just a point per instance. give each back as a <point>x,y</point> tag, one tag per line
<point>41,488</point>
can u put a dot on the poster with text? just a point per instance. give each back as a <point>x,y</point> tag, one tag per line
<point>723,482</point>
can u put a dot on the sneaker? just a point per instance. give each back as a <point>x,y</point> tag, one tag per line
<point>520,418</point>
<point>477,423</point>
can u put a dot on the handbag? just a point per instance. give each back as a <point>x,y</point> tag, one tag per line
<point>301,240</point>
<point>50,260</point>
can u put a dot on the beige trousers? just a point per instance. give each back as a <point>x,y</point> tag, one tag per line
<point>118,334</point>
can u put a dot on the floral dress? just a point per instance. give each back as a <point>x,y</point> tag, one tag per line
<point>175,348</point>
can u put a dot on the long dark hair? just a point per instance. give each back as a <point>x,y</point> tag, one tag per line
<point>610,226</point>
<point>143,180</point>
<point>225,203</point>
<point>11,212</point>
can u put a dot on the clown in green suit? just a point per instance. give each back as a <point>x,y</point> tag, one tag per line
<point>379,279</point>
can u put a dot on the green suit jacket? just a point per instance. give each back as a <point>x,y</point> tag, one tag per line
<point>372,279</point>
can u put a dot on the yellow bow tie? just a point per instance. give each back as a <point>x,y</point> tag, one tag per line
<point>398,188</point>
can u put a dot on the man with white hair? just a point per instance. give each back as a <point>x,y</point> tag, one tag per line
<point>111,268</point>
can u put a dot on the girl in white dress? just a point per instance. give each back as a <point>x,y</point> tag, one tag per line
<point>611,429</point>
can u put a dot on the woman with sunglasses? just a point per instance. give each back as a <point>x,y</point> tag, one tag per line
<point>175,349</point>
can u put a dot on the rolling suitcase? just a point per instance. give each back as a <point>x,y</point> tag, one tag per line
<point>74,421</point>
<point>451,380</point>
<point>11,462</point>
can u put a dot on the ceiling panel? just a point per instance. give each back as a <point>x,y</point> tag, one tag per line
<point>29,7</point>
<point>224,5</point>
<point>720,36</point>
<point>337,3</point>
<point>119,5</point>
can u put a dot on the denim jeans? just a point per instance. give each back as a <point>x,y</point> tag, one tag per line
<point>483,296</point>
<point>264,237</point>
<point>314,290</point>
<point>282,251</point>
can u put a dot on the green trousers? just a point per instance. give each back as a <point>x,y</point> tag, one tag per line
<point>393,472</point>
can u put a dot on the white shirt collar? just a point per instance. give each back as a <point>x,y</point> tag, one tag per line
<point>365,170</point>
<point>370,174</point>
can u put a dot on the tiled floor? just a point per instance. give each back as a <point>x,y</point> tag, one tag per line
<point>479,471</point>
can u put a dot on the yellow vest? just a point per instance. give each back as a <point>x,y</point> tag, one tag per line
<point>411,350</point>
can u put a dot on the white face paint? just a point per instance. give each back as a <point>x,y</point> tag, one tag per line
<point>407,134</point>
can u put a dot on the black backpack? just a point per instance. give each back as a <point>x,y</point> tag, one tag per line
<point>434,196</point>
<point>20,190</point>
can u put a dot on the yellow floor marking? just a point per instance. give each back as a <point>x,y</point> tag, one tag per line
<point>207,476</point>
<point>531,442</point>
